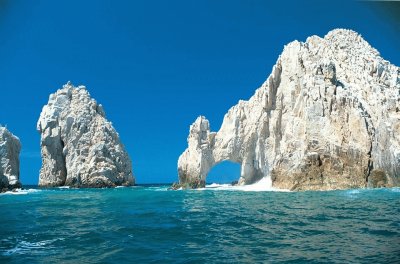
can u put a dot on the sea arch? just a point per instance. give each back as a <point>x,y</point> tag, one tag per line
<point>206,149</point>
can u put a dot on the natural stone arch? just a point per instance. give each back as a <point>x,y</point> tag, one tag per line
<point>319,122</point>
<point>207,149</point>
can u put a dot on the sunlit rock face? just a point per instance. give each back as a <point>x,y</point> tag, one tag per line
<point>79,146</point>
<point>10,148</point>
<point>327,117</point>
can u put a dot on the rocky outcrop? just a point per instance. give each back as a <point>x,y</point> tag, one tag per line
<point>79,146</point>
<point>10,147</point>
<point>327,117</point>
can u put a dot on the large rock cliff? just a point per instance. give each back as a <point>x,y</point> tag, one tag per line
<point>10,147</point>
<point>79,146</point>
<point>327,117</point>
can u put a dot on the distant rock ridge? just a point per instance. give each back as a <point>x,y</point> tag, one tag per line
<point>10,148</point>
<point>79,146</point>
<point>327,117</point>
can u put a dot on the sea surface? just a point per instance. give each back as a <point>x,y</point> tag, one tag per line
<point>218,224</point>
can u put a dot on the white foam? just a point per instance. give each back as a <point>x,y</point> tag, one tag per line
<point>355,191</point>
<point>395,189</point>
<point>33,190</point>
<point>27,247</point>
<point>264,185</point>
<point>16,192</point>
<point>63,187</point>
<point>160,189</point>
<point>216,185</point>
<point>21,191</point>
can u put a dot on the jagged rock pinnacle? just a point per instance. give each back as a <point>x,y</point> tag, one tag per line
<point>79,146</point>
<point>10,147</point>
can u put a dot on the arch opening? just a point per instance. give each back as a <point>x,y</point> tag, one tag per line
<point>225,172</point>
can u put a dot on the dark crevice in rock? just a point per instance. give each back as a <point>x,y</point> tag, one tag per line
<point>371,132</point>
<point>64,163</point>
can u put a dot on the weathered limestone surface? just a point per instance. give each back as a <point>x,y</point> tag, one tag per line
<point>79,146</point>
<point>10,147</point>
<point>327,117</point>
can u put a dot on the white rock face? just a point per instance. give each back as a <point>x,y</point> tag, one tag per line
<point>327,117</point>
<point>10,147</point>
<point>79,146</point>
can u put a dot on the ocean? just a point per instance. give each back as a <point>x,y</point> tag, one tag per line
<point>218,224</point>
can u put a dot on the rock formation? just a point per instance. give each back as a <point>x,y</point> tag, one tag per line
<point>79,146</point>
<point>327,117</point>
<point>10,147</point>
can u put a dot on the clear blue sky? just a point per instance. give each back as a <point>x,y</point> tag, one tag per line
<point>156,65</point>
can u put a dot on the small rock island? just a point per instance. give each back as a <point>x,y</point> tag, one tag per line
<point>79,147</point>
<point>327,117</point>
<point>10,148</point>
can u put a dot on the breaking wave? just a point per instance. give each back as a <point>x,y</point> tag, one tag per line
<point>26,247</point>
<point>20,191</point>
<point>264,185</point>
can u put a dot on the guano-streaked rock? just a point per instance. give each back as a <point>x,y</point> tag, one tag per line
<point>327,117</point>
<point>79,146</point>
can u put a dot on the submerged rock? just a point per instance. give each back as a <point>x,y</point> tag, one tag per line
<point>327,117</point>
<point>10,148</point>
<point>79,146</point>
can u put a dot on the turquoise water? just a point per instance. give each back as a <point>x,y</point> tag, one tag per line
<point>154,225</point>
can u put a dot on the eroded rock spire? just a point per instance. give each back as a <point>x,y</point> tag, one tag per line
<point>79,146</point>
<point>10,148</point>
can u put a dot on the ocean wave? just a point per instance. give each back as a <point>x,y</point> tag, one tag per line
<point>354,193</point>
<point>26,247</point>
<point>264,185</point>
<point>216,185</point>
<point>20,191</point>
<point>159,189</point>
